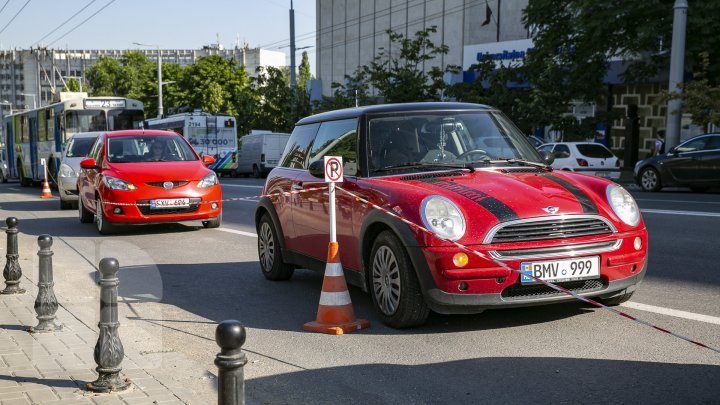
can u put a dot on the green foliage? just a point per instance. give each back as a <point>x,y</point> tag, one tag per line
<point>73,85</point>
<point>700,98</point>
<point>304,72</point>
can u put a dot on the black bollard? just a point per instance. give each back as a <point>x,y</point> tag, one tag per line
<point>45,304</point>
<point>12,272</point>
<point>230,336</point>
<point>109,349</point>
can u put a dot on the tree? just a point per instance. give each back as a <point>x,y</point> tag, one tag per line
<point>400,77</point>
<point>212,83</point>
<point>304,72</point>
<point>700,98</point>
<point>105,78</point>
<point>73,85</point>
<point>274,99</point>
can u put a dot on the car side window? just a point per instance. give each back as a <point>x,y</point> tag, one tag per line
<point>545,148</point>
<point>298,146</point>
<point>337,138</point>
<point>693,146</point>
<point>561,151</point>
<point>713,143</point>
<point>95,151</point>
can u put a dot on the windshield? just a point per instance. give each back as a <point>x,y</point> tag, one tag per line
<point>125,119</point>
<point>85,121</point>
<point>79,147</point>
<point>149,148</point>
<point>426,141</point>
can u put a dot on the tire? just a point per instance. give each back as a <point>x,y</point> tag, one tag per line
<point>394,287</point>
<point>615,301</point>
<point>213,222</point>
<point>649,179</point>
<point>85,216</point>
<point>256,172</point>
<point>104,226</point>
<point>2,177</point>
<point>269,253</point>
<point>66,205</point>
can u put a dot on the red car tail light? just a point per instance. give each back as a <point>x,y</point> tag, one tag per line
<point>582,162</point>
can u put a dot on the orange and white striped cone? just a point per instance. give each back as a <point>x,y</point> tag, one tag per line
<point>46,193</point>
<point>335,314</point>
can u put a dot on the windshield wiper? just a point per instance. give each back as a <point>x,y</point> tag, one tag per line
<point>520,162</point>
<point>409,165</point>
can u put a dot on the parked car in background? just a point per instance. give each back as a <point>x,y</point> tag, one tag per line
<point>4,171</point>
<point>259,153</point>
<point>584,157</point>
<point>466,173</point>
<point>694,163</point>
<point>75,150</point>
<point>147,176</point>
<point>535,141</point>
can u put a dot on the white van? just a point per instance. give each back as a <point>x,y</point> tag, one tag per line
<point>258,153</point>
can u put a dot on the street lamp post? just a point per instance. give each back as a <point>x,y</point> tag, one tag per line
<point>30,95</point>
<point>159,79</point>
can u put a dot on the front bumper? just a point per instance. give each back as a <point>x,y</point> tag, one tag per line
<point>67,187</point>
<point>133,207</point>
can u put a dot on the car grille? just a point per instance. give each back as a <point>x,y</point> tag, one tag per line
<point>432,175</point>
<point>176,183</point>
<point>541,291</point>
<point>144,207</point>
<point>560,227</point>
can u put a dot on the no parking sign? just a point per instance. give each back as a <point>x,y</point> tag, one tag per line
<point>333,169</point>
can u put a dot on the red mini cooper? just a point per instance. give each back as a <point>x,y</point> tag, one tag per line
<point>139,177</point>
<point>466,173</point>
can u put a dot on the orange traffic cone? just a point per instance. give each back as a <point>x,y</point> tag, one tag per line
<point>46,190</point>
<point>335,314</point>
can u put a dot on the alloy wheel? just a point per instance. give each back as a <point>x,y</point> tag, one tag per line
<point>386,280</point>
<point>649,179</point>
<point>266,247</point>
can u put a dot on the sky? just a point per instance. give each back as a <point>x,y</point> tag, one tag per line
<point>179,24</point>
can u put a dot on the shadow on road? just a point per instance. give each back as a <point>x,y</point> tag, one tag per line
<point>499,380</point>
<point>71,227</point>
<point>220,291</point>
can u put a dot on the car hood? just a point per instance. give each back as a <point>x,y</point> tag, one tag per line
<point>489,197</point>
<point>159,171</point>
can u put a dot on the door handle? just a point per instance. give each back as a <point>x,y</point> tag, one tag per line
<point>297,186</point>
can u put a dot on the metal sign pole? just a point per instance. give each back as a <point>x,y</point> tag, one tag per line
<point>333,174</point>
<point>331,194</point>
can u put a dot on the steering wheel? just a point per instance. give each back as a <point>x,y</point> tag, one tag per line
<point>472,152</point>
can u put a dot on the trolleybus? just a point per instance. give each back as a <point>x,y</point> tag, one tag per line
<point>39,134</point>
<point>214,135</point>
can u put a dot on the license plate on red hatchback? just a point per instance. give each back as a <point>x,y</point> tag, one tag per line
<point>581,268</point>
<point>170,203</point>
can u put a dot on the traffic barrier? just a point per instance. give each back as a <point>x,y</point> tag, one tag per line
<point>46,193</point>
<point>45,304</point>
<point>109,350</point>
<point>505,266</point>
<point>335,314</point>
<point>230,336</point>
<point>12,272</point>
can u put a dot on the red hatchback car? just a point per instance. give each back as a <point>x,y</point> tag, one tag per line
<point>466,173</point>
<point>140,177</point>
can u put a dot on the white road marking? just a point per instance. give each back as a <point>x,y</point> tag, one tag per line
<point>243,233</point>
<point>690,213</point>
<point>672,312</point>
<point>239,185</point>
<point>678,201</point>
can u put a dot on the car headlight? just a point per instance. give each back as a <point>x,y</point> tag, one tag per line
<point>117,184</point>
<point>443,217</point>
<point>208,181</point>
<point>623,204</point>
<point>66,171</point>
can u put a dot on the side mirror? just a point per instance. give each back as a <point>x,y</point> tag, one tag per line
<point>547,157</point>
<point>88,163</point>
<point>317,169</point>
<point>208,160</point>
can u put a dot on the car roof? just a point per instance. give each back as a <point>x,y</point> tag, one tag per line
<point>139,132</point>
<point>390,108</point>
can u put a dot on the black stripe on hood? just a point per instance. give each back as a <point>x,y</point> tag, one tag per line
<point>588,206</point>
<point>496,207</point>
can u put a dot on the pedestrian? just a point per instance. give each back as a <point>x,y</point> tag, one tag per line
<point>659,144</point>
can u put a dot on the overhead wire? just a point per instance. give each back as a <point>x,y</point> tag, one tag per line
<point>63,23</point>
<point>4,5</point>
<point>81,23</point>
<point>14,17</point>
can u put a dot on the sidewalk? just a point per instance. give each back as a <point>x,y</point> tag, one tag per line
<point>53,368</point>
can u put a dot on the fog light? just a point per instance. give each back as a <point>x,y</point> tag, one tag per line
<point>213,206</point>
<point>460,259</point>
<point>117,210</point>
<point>637,243</point>
<point>462,286</point>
